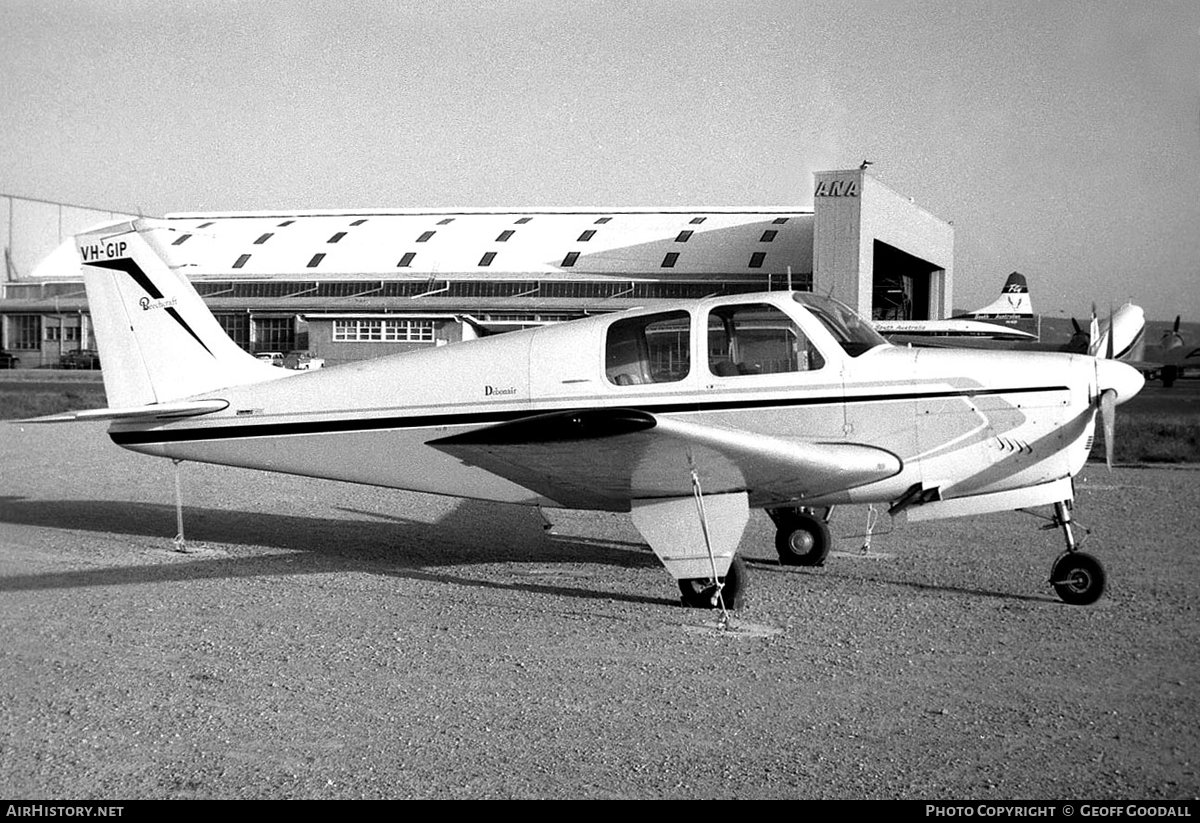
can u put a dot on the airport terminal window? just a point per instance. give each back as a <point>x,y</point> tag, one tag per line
<point>757,338</point>
<point>650,349</point>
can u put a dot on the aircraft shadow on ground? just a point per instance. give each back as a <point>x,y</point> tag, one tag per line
<point>474,533</point>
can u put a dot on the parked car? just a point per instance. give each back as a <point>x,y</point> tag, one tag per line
<point>275,358</point>
<point>8,360</point>
<point>81,359</point>
<point>302,361</point>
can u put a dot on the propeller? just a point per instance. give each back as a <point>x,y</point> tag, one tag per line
<point>1116,382</point>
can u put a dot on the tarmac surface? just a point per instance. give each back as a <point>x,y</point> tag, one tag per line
<point>322,640</point>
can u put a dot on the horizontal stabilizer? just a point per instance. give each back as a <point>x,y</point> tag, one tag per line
<point>163,411</point>
<point>606,458</point>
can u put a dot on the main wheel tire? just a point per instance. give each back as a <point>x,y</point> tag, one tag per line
<point>1169,373</point>
<point>701,592</point>
<point>1078,578</point>
<point>802,539</point>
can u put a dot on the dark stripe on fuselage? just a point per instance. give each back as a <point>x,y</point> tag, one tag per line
<point>360,424</point>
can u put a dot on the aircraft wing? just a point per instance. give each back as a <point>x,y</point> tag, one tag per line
<point>604,458</point>
<point>181,408</point>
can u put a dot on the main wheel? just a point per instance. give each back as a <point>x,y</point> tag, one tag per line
<point>802,539</point>
<point>701,592</point>
<point>1078,578</point>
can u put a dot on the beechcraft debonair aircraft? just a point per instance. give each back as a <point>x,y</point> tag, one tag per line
<point>687,416</point>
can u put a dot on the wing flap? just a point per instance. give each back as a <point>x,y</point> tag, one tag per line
<point>604,458</point>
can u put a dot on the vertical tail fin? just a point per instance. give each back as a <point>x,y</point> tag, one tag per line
<point>1014,306</point>
<point>158,342</point>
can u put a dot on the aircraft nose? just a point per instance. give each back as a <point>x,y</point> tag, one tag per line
<point>1122,378</point>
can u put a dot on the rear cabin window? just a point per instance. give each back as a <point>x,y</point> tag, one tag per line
<point>757,338</point>
<point>650,349</point>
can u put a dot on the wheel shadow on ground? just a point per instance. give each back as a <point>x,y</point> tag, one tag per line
<point>473,533</point>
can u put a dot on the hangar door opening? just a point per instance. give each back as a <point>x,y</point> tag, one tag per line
<point>901,285</point>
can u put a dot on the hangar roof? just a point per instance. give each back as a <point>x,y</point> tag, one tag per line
<point>501,244</point>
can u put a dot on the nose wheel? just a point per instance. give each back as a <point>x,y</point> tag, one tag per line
<point>1077,577</point>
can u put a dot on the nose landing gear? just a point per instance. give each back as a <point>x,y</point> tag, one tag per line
<point>1077,577</point>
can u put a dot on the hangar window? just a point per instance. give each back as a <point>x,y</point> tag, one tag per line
<point>285,223</point>
<point>570,259</point>
<point>24,331</point>
<point>336,237</point>
<point>523,220</point>
<point>696,221</point>
<point>683,236</point>
<point>359,222</point>
<point>241,261</point>
<point>382,331</point>
<point>274,334</point>
<point>182,239</point>
<point>204,225</point>
<point>768,236</point>
<point>504,235</point>
<point>756,259</point>
<point>487,258</point>
<point>757,338</point>
<point>670,260</point>
<point>316,260</point>
<point>779,221</point>
<point>601,221</point>
<point>406,260</point>
<point>651,349</point>
<point>264,238</point>
<point>425,235</point>
<point>587,235</point>
<point>237,326</point>
<point>446,222</point>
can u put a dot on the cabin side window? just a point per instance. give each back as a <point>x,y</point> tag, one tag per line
<point>649,349</point>
<point>757,338</point>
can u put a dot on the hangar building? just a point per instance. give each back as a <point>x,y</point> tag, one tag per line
<point>348,285</point>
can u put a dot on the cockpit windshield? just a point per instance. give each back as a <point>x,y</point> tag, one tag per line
<point>854,334</point>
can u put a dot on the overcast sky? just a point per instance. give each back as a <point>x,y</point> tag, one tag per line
<point>1061,138</point>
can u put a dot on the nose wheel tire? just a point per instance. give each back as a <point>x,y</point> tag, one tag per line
<point>1078,578</point>
<point>701,592</point>
<point>802,540</point>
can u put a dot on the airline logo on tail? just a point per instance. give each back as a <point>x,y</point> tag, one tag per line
<point>111,256</point>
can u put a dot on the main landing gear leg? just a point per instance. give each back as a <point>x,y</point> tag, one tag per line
<point>1077,577</point>
<point>802,535</point>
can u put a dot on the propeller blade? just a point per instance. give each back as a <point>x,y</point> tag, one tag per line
<point>1108,418</point>
<point>1112,333</point>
